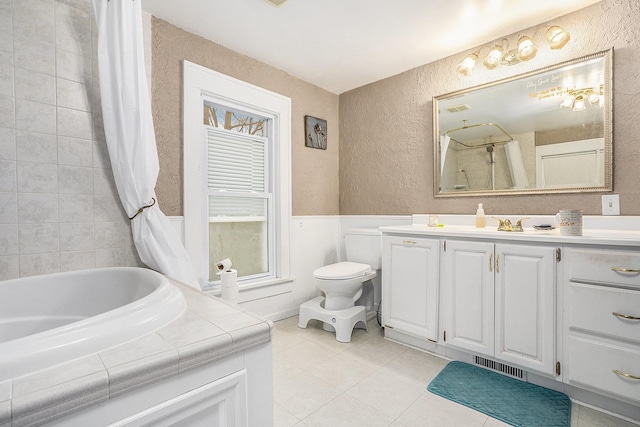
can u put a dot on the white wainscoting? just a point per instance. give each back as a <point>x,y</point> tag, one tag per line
<point>315,241</point>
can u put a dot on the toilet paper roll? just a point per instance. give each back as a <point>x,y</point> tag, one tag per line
<point>229,285</point>
<point>230,293</point>
<point>224,265</point>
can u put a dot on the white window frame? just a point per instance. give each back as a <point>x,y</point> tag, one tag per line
<point>201,83</point>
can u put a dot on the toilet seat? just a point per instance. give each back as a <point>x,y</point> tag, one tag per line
<point>342,271</point>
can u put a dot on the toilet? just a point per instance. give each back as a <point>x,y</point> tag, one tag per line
<point>344,306</point>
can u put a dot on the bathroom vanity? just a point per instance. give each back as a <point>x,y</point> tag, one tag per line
<point>560,311</point>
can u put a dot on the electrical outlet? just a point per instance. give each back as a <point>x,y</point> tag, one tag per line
<point>611,204</point>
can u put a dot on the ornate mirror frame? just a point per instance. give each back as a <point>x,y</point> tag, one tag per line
<point>553,85</point>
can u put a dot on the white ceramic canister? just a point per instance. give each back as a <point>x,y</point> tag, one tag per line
<point>570,222</point>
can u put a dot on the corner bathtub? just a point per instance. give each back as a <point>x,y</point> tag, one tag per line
<point>54,318</point>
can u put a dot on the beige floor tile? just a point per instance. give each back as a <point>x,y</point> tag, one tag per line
<point>282,417</point>
<point>433,411</point>
<point>341,372</point>
<point>415,366</point>
<point>307,354</point>
<point>346,411</point>
<point>283,340</point>
<point>284,369</point>
<point>386,393</point>
<point>375,353</point>
<point>303,394</point>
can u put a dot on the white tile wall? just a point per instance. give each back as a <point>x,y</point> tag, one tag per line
<point>59,208</point>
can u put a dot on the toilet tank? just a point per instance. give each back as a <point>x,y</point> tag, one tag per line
<point>364,245</point>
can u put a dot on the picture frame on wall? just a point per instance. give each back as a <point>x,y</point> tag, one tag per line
<point>315,130</point>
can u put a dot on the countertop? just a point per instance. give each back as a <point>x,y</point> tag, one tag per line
<point>589,236</point>
<point>209,330</point>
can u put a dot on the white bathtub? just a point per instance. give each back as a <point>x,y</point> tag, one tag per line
<point>50,319</point>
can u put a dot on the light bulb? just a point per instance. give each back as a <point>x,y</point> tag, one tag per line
<point>492,59</point>
<point>567,104</point>
<point>557,37</point>
<point>593,97</point>
<point>466,66</point>
<point>578,104</point>
<point>526,49</point>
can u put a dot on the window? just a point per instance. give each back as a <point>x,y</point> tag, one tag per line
<point>237,180</point>
<point>239,195</point>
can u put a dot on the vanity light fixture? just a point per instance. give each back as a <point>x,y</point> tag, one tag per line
<point>500,54</point>
<point>577,99</point>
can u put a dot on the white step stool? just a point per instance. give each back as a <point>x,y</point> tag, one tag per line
<point>343,321</point>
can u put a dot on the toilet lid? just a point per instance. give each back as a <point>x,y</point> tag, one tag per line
<point>342,270</point>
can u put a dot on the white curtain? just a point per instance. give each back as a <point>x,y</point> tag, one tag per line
<point>444,147</point>
<point>516,165</point>
<point>130,136</point>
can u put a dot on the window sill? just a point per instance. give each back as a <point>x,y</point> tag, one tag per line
<point>258,289</point>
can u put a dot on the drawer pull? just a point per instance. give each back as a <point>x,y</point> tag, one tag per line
<point>623,374</point>
<point>625,270</point>
<point>625,316</point>
<point>409,242</point>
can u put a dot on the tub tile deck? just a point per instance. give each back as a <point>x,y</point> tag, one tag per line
<point>208,331</point>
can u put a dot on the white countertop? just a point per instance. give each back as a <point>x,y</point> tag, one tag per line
<point>589,236</point>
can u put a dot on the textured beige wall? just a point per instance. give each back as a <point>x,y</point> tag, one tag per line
<point>314,172</point>
<point>386,150</point>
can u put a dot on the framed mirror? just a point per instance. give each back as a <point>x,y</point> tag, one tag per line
<point>546,131</point>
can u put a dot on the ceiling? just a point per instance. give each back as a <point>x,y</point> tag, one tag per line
<point>339,45</point>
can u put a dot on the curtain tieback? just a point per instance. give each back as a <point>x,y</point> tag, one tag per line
<point>143,208</point>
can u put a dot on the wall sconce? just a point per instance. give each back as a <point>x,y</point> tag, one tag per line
<point>577,99</point>
<point>526,49</point>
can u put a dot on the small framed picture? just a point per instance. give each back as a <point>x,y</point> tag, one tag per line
<point>315,131</point>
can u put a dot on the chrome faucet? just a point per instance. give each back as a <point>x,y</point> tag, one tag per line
<point>506,225</point>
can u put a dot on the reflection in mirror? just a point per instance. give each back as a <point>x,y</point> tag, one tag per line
<point>545,131</point>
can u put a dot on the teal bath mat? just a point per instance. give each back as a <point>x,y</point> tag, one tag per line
<point>507,399</point>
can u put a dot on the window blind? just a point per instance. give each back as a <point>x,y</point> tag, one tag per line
<point>235,162</point>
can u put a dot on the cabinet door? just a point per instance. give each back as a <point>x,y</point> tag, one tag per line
<point>525,305</point>
<point>468,286</point>
<point>410,285</point>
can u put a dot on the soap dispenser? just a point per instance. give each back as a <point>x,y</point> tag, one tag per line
<point>480,219</point>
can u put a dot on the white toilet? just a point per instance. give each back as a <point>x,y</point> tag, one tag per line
<point>342,285</point>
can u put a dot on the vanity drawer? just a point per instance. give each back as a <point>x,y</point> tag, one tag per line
<point>592,364</point>
<point>591,308</point>
<point>595,266</point>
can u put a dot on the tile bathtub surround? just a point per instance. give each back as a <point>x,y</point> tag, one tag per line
<point>189,342</point>
<point>370,382</point>
<point>57,194</point>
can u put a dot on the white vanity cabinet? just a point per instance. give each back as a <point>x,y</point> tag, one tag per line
<point>602,320</point>
<point>500,301</point>
<point>410,285</point>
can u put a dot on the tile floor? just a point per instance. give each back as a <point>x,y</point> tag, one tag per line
<point>369,382</point>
